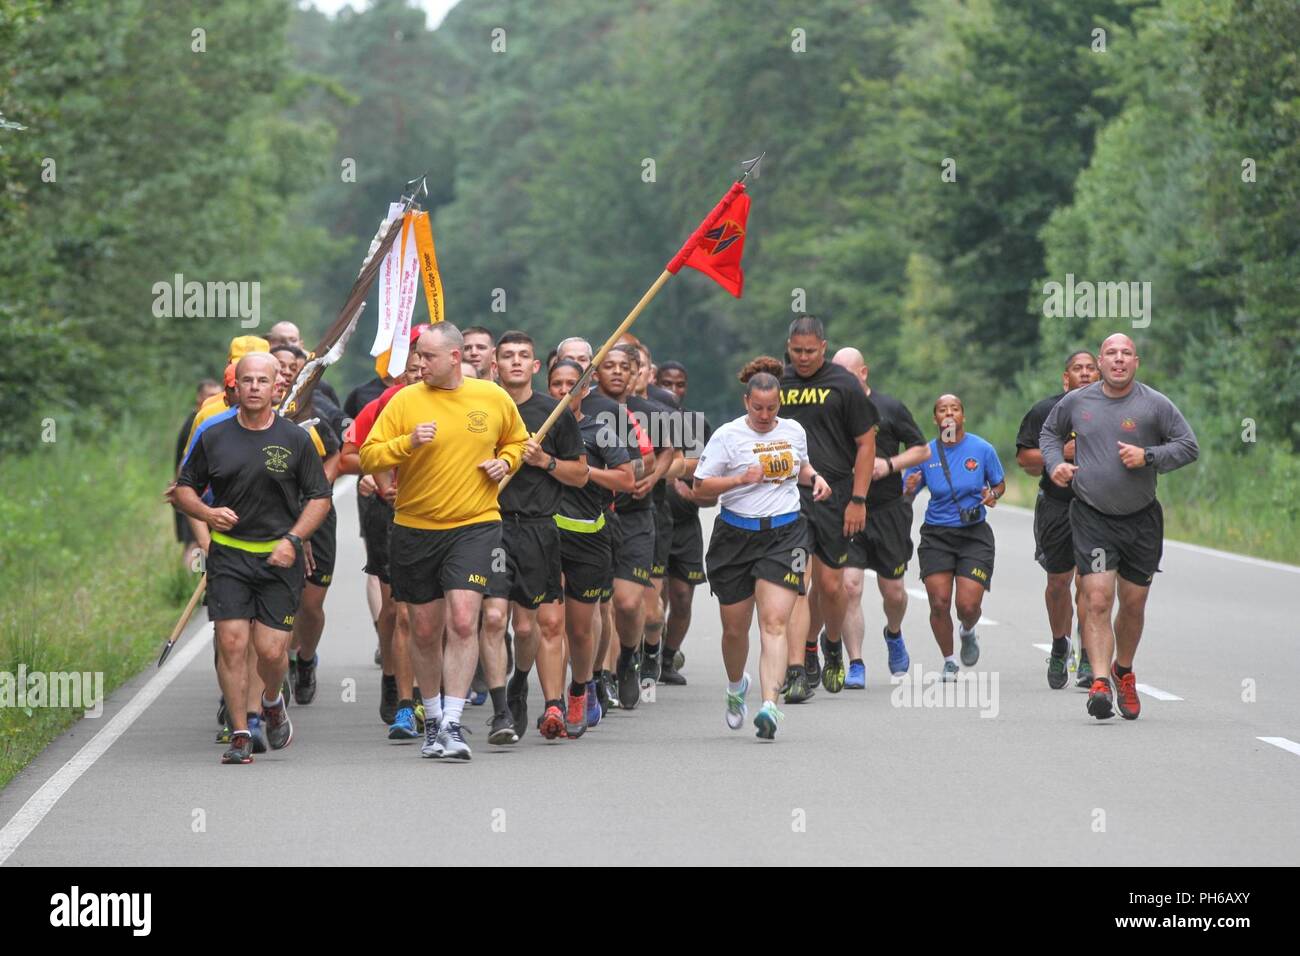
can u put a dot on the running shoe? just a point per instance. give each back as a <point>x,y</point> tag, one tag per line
<point>607,687</point>
<point>403,725</point>
<point>451,737</point>
<point>304,690</point>
<point>594,711</point>
<point>379,657</point>
<point>833,672</point>
<point>857,679</point>
<point>1058,674</point>
<point>798,687</point>
<point>388,700</point>
<point>223,735</point>
<point>1100,699</point>
<point>811,665</point>
<point>679,659</point>
<point>258,733</point>
<point>629,680</point>
<point>478,697</point>
<point>223,715</point>
<point>737,709</point>
<point>432,746</point>
<point>950,669</point>
<point>970,645</point>
<point>478,687</point>
<point>503,730</point>
<point>551,723</point>
<point>419,715</point>
<point>291,675</point>
<point>517,701</point>
<point>1084,676</point>
<point>766,721</point>
<point>279,729</point>
<point>650,665</point>
<point>899,661</point>
<point>575,718</point>
<point>241,749</point>
<point>669,674</point>
<point>1130,708</point>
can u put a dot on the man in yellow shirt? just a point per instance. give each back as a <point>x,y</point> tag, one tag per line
<point>452,440</point>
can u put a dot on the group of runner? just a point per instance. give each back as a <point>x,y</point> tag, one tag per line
<point>583,567</point>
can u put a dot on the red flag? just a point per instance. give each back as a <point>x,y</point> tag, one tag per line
<point>716,246</point>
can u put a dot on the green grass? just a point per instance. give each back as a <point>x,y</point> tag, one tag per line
<point>90,574</point>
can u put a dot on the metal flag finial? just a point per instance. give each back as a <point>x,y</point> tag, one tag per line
<point>751,166</point>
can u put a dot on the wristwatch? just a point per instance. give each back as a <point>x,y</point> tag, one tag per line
<point>858,499</point>
<point>1150,456</point>
<point>294,540</point>
<point>551,467</point>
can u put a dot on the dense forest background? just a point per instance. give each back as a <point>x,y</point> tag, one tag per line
<point>249,141</point>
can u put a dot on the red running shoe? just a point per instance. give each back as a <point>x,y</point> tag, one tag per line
<point>575,721</point>
<point>552,723</point>
<point>1101,702</point>
<point>1129,705</point>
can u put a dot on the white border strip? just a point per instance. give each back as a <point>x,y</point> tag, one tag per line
<point>31,813</point>
<point>1282,742</point>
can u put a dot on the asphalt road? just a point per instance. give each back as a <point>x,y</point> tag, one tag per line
<point>852,778</point>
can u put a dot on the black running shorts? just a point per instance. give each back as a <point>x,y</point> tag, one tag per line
<point>324,545</point>
<point>242,586</point>
<point>376,525</point>
<point>1130,544</point>
<point>885,545</point>
<point>737,558</point>
<point>588,562</point>
<point>826,522</point>
<point>686,556</point>
<point>966,552</point>
<point>663,538</point>
<point>529,571</point>
<point>1053,538</point>
<point>425,564</point>
<point>635,554</point>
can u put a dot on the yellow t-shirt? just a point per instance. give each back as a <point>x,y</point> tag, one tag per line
<point>441,484</point>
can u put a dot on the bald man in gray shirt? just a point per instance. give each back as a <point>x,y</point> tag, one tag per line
<point>1125,432</point>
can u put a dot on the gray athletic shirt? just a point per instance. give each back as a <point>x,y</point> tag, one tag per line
<point>1143,417</point>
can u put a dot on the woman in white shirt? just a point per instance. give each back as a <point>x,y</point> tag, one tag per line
<point>759,548</point>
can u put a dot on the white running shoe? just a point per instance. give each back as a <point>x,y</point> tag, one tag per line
<point>737,709</point>
<point>451,738</point>
<point>432,746</point>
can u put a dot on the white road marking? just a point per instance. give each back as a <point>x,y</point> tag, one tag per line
<point>1044,647</point>
<point>1282,742</point>
<point>1195,548</point>
<point>921,595</point>
<point>40,803</point>
<point>1156,692</point>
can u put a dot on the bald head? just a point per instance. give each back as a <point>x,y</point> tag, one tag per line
<point>284,333</point>
<point>256,377</point>
<point>441,348</point>
<point>851,359</point>
<point>252,360</point>
<point>1117,360</point>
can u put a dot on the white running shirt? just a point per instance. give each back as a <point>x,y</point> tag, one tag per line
<point>782,451</point>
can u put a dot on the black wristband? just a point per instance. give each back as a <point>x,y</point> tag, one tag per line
<point>294,540</point>
<point>858,499</point>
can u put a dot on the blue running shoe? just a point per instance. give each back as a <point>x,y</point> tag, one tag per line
<point>857,679</point>
<point>766,721</point>
<point>899,661</point>
<point>403,725</point>
<point>257,732</point>
<point>594,713</point>
<point>478,698</point>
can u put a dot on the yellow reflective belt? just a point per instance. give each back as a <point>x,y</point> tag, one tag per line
<point>257,547</point>
<point>580,525</point>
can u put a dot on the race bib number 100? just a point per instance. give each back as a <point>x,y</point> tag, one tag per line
<point>777,467</point>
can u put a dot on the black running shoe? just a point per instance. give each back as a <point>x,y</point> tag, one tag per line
<point>304,691</point>
<point>223,715</point>
<point>669,674</point>
<point>798,686</point>
<point>279,729</point>
<point>629,680</point>
<point>1058,672</point>
<point>812,666</point>
<point>517,701</point>
<point>503,730</point>
<point>833,673</point>
<point>650,665</point>
<point>241,749</point>
<point>388,699</point>
<point>607,687</point>
<point>1083,676</point>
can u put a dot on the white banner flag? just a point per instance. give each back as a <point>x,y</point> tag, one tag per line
<point>389,282</point>
<point>410,279</point>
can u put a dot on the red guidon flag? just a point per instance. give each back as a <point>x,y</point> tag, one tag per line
<point>716,246</point>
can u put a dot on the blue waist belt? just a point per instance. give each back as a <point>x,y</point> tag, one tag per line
<point>758,524</point>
